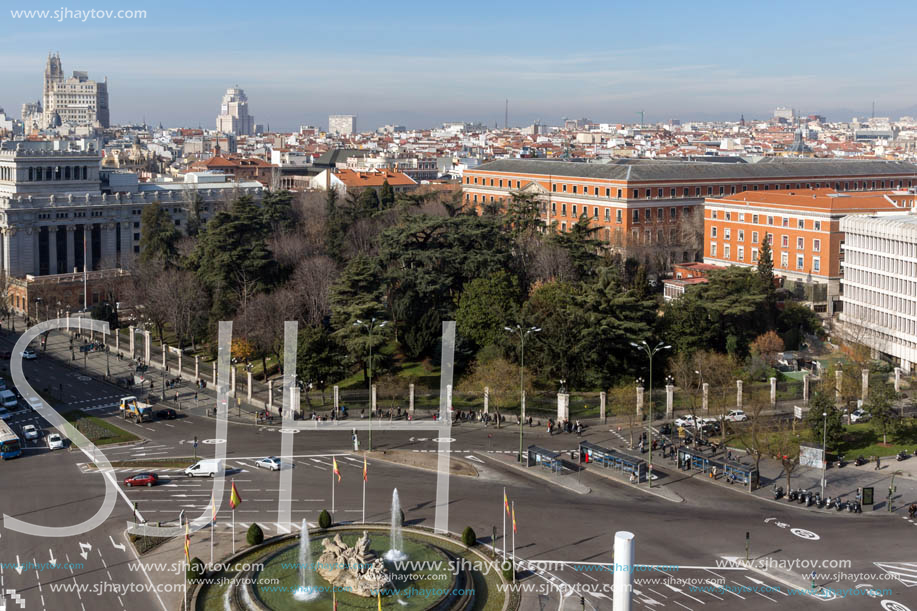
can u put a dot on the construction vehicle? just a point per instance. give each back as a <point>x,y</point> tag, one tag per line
<point>138,411</point>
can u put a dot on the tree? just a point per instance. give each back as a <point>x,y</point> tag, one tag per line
<point>684,369</point>
<point>554,352</point>
<point>794,321</point>
<point>831,426</point>
<point>522,217</point>
<point>319,358</point>
<point>501,378</point>
<point>107,312</point>
<point>254,536</point>
<point>386,195</point>
<point>277,208</point>
<point>158,236</point>
<point>357,296</point>
<point>880,405</point>
<point>784,447</point>
<point>581,245</point>
<point>767,346</point>
<point>469,538</point>
<point>486,306</point>
<point>324,519</point>
<point>766,279</point>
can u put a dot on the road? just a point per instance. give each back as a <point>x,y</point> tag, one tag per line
<point>554,524</point>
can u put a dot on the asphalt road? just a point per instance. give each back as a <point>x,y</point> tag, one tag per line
<point>554,524</point>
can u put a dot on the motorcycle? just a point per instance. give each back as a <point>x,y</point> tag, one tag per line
<point>902,455</point>
<point>829,503</point>
<point>860,461</point>
<point>819,502</point>
<point>802,496</point>
<point>791,495</point>
<point>840,461</point>
<point>810,499</point>
<point>856,507</point>
<point>840,505</point>
<point>778,492</point>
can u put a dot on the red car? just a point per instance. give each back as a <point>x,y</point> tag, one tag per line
<point>141,479</point>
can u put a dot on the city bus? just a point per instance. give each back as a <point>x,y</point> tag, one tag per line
<point>9,442</point>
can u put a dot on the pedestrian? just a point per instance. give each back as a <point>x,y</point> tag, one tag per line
<point>878,464</point>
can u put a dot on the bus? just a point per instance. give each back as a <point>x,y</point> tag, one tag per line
<point>9,442</point>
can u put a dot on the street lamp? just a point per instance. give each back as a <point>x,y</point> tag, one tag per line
<point>372,322</point>
<point>824,453</point>
<point>522,333</point>
<point>650,352</point>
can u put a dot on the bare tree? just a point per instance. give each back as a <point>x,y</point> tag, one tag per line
<point>311,282</point>
<point>623,398</point>
<point>289,247</point>
<point>500,377</point>
<point>261,322</point>
<point>186,306</point>
<point>784,447</point>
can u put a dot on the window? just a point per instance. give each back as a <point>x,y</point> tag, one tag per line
<point>816,264</point>
<point>696,191</point>
<point>713,214</point>
<point>801,224</point>
<point>575,215</point>
<point>673,213</point>
<point>709,190</point>
<point>713,232</point>
<point>595,213</point>
<point>817,225</point>
<point>726,251</point>
<point>740,254</point>
<point>722,189</point>
<point>741,235</point>
<point>786,221</point>
<point>563,209</point>
<point>672,192</point>
<point>553,207</point>
<point>647,237</point>
<point>554,188</point>
<point>770,220</point>
<point>636,194</point>
<point>574,188</point>
<point>618,216</point>
<point>727,233</point>
<point>619,193</point>
<point>648,215</point>
<point>816,245</point>
<point>729,216</point>
<point>784,260</point>
<point>607,192</point>
<point>501,182</point>
<point>770,239</point>
<point>608,215</point>
<point>659,192</point>
<point>636,216</point>
<point>754,219</point>
<point>713,249</point>
<point>648,193</point>
<point>685,211</point>
<point>564,189</point>
<point>660,214</point>
<point>563,227</point>
<point>754,237</point>
<point>754,255</point>
<point>800,261</point>
<point>785,241</point>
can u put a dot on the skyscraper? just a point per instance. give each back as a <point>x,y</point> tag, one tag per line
<point>76,100</point>
<point>234,117</point>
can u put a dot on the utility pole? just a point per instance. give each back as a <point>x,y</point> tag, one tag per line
<point>523,333</point>
<point>650,352</point>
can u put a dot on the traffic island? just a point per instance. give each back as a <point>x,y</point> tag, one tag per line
<point>564,478</point>
<point>425,461</point>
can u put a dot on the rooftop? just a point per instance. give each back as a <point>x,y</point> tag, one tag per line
<point>823,200</point>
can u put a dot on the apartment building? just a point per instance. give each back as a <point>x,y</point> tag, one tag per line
<point>76,100</point>
<point>880,285</point>
<point>646,208</point>
<point>803,229</point>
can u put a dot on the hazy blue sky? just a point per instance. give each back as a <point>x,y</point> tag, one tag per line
<point>420,63</point>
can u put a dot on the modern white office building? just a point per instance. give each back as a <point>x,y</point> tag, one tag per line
<point>342,125</point>
<point>880,284</point>
<point>234,118</point>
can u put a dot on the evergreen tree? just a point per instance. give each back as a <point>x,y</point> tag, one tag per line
<point>158,236</point>
<point>582,246</point>
<point>832,427</point>
<point>486,306</point>
<point>277,207</point>
<point>766,277</point>
<point>522,215</point>
<point>319,358</point>
<point>335,226</point>
<point>386,195</point>
<point>195,223</point>
<point>357,296</point>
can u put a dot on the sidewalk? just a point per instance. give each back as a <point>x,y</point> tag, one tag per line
<point>567,480</point>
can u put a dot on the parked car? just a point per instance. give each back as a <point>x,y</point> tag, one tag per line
<point>30,432</point>
<point>859,415</point>
<point>5,355</point>
<point>271,462</point>
<point>141,479</point>
<point>55,442</point>
<point>167,414</point>
<point>29,354</point>
<point>736,415</point>
<point>5,414</point>
<point>685,421</point>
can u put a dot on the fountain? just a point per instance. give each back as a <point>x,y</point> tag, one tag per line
<point>306,590</point>
<point>396,547</point>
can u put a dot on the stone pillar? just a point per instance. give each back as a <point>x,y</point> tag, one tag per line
<point>147,348</point>
<point>109,246</point>
<point>639,401</point>
<point>232,380</point>
<point>805,387</point>
<point>52,249</point>
<point>28,242</point>
<point>897,379</point>
<point>773,382</point>
<point>336,396</point>
<point>214,375</point>
<point>563,406</point>
<point>68,322</point>
<point>522,406</point>
<point>738,394</point>
<point>372,399</point>
<point>486,399</point>
<point>130,339</point>
<point>165,364</point>
<point>71,256</point>
<point>449,398</point>
<point>248,380</point>
<point>838,384</point>
<point>411,401</point>
<point>270,392</point>
<point>705,397</point>
<point>669,396</point>
<point>117,340</point>
<point>602,398</point>
<point>197,368</point>
<point>865,391</point>
<point>179,363</point>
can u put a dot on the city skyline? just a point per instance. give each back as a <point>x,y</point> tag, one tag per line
<point>397,65</point>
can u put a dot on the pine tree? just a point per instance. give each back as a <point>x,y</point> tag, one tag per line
<point>386,195</point>
<point>158,236</point>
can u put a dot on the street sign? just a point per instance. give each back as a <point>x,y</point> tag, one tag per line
<point>811,456</point>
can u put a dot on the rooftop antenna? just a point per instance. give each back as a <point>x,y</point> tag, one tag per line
<point>506,115</point>
<point>641,113</point>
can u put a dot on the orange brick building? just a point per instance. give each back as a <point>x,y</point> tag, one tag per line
<point>646,208</point>
<point>803,229</point>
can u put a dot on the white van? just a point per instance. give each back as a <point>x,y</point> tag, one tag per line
<point>8,399</point>
<point>205,468</point>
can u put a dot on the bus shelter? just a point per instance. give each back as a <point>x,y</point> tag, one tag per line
<point>733,472</point>
<point>546,458</point>
<point>612,459</point>
<point>737,473</point>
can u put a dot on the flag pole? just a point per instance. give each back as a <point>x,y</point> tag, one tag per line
<point>503,511</point>
<point>332,491</point>
<point>233,531</point>
<point>364,488</point>
<point>514,541</point>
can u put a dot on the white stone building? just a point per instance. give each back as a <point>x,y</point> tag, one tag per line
<point>880,284</point>
<point>74,101</point>
<point>234,118</point>
<point>342,125</point>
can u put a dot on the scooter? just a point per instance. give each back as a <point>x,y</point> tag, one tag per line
<point>855,507</point>
<point>860,461</point>
<point>819,502</point>
<point>810,498</point>
<point>778,492</point>
<point>902,455</point>
<point>791,495</point>
<point>840,461</point>
<point>802,496</point>
<point>840,505</point>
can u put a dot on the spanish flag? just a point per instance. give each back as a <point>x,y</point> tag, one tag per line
<point>187,543</point>
<point>379,598</point>
<point>514,519</point>
<point>334,462</point>
<point>234,498</point>
<point>214,505</point>
<point>334,598</point>
<point>364,467</point>
<point>505,502</point>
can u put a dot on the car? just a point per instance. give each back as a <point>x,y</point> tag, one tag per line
<point>29,355</point>
<point>55,442</point>
<point>5,414</point>
<point>6,355</point>
<point>2,384</point>
<point>167,414</point>
<point>141,479</point>
<point>30,432</point>
<point>859,415</point>
<point>685,421</point>
<point>736,415</point>
<point>271,462</point>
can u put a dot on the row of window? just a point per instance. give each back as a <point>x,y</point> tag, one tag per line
<point>784,239</point>
<point>66,172</point>
<point>880,263</point>
<point>871,319</point>
<point>756,219</point>
<point>576,210</point>
<point>698,191</point>
<point>784,257</point>
<point>899,248</point>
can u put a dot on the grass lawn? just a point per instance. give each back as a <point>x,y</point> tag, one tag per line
<point>860,439</point>
<point>98,431</point>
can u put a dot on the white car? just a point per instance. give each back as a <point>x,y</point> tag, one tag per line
<point>30,432</point>
<point>55,442</point>
<point>736,415</point>
<point>29,355</point>
<point>859,415</point>
<point>685,421</point>
<point>271,462</point>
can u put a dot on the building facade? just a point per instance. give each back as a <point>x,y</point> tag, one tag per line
<point>652,209</point>
<point>880,285</point>
<point>803,229</point>
<point>56,217</point>
<point>75,100</point>
<point>234,118</point>
<point>342,125</point>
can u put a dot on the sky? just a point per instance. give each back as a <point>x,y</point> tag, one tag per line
<point>421,63</point>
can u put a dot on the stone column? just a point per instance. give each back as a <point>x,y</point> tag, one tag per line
<point>865,391</point>
<point>232,380</point>
<point>738,394</point>
<point>602,398</point>
<point>411,401</point>
<point>270,392</point>
<point>127,244</point>
<point>640,401</point>
<point>897,379</point>
<point>52,249</point>
<point>669,396</point>
<point>28,243</point>
<point>522,406</point>
<point>773,382</point>
<point>180,373</point>
<point>117,340</point>
<point>130,339</point>
<point>164,363</point>
<point>109,246</point>
<point>68,322</point>
<point>248,380</point>
<point>71,254</point>
<point>197,368</point>
<point>7,249</point>
<point>705,397</point>
<point>563,406</point>
<point>838,384</point>
<point>372,399</point>
<point>486,399</point>
<point>214,375</point>
<point>148,348</point>
<point>805,387</point>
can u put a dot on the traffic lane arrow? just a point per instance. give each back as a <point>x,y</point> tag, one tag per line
<point>119,546</point>
<point>85,548</point>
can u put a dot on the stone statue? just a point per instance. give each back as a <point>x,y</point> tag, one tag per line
<point>354,569</point>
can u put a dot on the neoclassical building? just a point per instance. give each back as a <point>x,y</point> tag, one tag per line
<point>57,210</point>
